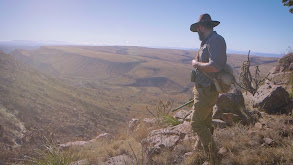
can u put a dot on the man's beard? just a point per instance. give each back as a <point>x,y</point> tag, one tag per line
<point>200,35</point>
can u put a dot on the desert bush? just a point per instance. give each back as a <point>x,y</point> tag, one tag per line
<point>248,81</point>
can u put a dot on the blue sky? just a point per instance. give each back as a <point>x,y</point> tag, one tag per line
<point>260,26</point>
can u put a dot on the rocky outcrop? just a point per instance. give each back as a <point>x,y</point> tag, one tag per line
<point>183,115</point>
<point>285,64</point>
<point>272,99</point>
<point>12,130</point>
<point>282,73</point>
<point>167,138</point>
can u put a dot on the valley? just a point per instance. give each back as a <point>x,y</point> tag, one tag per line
<point>78,92</point>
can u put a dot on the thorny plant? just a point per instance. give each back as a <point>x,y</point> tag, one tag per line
<point>247,81</point>
<point>162,109</point>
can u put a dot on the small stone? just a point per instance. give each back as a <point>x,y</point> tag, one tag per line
<point>206,163</point>
<point>150,121</point>
<point>222,151</point>
<point>188,154</point>
<point>268,141</point>
<point>119,160</point>
<point>217,123</point>
<point>133,123</point>
<point>258,125</point>
<point>230,118</point>
<point>103,136</point>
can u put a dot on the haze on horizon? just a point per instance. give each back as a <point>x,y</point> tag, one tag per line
<point>260,26</point>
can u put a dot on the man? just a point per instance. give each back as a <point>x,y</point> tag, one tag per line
<point>210,59</point>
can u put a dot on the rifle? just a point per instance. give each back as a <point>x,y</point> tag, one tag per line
<point>192,75</point>
<point>175,109</point>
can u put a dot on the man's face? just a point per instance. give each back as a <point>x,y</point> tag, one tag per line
<point>200,33</point>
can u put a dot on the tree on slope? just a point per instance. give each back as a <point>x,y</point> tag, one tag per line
<point>288,3</point>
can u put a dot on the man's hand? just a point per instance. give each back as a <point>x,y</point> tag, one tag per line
<point>205,67</point>
<point>194,63</point>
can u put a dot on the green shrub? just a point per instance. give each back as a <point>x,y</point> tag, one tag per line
<point>169,120</point>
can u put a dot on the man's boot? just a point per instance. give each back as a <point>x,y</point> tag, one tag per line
<point>197,145</point>
<point>213,154</point>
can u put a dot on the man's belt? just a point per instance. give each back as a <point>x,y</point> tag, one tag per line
<point>212,86</point>
<point>199,86</point>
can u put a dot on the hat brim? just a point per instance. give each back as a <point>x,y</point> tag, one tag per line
<point>194,26</point>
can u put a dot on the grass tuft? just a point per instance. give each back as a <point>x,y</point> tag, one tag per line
<point>52,155</point>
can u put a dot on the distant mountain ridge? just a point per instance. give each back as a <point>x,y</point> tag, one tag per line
<point>9,46</point>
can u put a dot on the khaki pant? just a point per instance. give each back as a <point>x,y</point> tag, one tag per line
<point>204,100</point>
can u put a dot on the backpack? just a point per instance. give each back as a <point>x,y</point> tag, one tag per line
<point>223,79</point>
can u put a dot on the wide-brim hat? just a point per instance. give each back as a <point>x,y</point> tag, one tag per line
<point>204,18</point>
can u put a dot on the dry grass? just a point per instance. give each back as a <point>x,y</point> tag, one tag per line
<point>245,144</point>
<point>100,152</point>
<point>52,155</point>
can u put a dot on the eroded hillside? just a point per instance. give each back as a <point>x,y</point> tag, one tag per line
<point>31,101</point>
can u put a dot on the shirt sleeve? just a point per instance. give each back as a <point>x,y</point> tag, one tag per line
<point>217,52</point>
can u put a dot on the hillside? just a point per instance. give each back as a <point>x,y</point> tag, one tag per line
<point>133,77</point>
<point>152,70</point>
<point>32,103</point>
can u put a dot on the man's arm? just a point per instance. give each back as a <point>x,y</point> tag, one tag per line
<point>205,67</point>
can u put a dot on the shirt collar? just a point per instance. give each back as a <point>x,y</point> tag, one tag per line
<point>205,40</point>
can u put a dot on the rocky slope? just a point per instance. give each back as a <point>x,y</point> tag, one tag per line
<point>34,105</point>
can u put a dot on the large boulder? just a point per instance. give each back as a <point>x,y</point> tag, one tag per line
<point>231,103</point>
<point>272,99</point>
